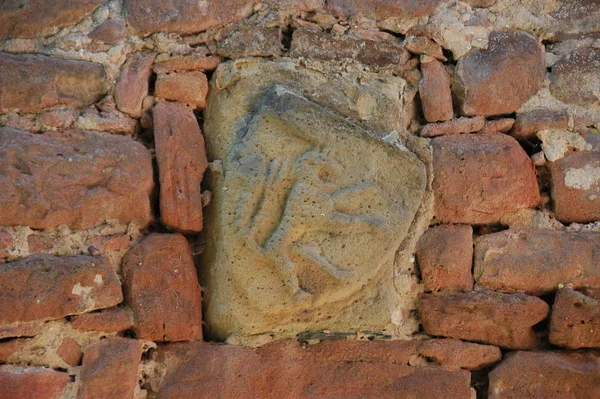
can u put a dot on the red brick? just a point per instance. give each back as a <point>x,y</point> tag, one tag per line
<point>113,242</point>
<point>6,243</point>
<point>434,90</point>
<point>529,123</point>
<point>479,178</point>
<point>29,383</point>
<point>501,125</point>
<point>70,351</point>
<point>109,32</point>
<point>331,369</point>
<point>181,161</point>
<point>504,320</point>
<point>191,62</point>
<point>73,178</point>
<point>575,319</point>
<point>383,9</point>
<point>552,258</point>
<point>43,287</point>
<point>186,87</point>
<point>445,255</point>
<point>134,82</point>
<point>110,369</point>
<point>576,187</point>
<point>547,375</point>
<point>113,320</point>
<point>35,18</point>
<point>574,78</point>
<point>251,42</point>
<point>454,353</point>
<point>150,16</point>
<point>161,287</point>
<point>10,347</point>
<point>36,243</point>
<point>31,83</point>
<point>454,126</point>
<point>500,79</point>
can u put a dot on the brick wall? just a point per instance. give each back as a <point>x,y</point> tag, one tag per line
<point>299,199</point>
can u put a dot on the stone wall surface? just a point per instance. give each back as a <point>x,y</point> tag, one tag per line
<point>299,199</point>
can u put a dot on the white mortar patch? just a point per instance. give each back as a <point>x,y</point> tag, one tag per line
<point>582,178</point>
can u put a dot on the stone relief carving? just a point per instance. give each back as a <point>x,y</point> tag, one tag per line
<point>308,214</point>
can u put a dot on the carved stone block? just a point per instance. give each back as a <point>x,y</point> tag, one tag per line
<point>313,216</point>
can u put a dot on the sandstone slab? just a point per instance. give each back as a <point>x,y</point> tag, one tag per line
<point>504,320</point>
<point>500,79</point>
<point>109,32</point>
<point>110,369</point>
<point>384,9</point>
<point>70,352</point>
<point>575,319</point>
<point>251,42</point>
<point>31,83</point>
<point>455,353</point>
<point>113,320</point>
<point>186,87</point>
<point>331,369</point>
<point>298,195</point>
<point>454,126</point>
<point>35,18</point>
<point>501,125</point>
<point>529,123</point>
<point>134,82</point>
<point>190,62</point>
<point>181,161</point>
<point>434,90</point>
<point>161,288</point>
<point>80,179</point>
<point>576,187</point>
<point>445,256</point>
<point>548,375</point>
<point>575,79</point>
<point>424,45</point>
<point>185,17</point>
<point>479,178</point>
<point>551,257</point>
<point>43,287</point>
<point>31,382</point>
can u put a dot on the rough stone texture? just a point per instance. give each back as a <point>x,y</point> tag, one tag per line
<point>576,187</point>
<point>504,320</point>
<point>251,42</point>
<point>529,123</point>
<point>70,351</point>
<point>181,164</point>
<point>191,62</point>
<point>445,255</point>
<point>548,375</point>
<point>34,18</point>
<point>186,87</point>
<point>500,79</point>
<point>42,287</point>
<point>455,126</point>
<point>30,83</point>
<point>185,17</point>
<point>161,287</point>
<point>322,46</point>
<point>575,319</point>
<point>331,369</point>
<point>501,125</point>
<point>384,9</point>
<point>557,144</point>
<point>110,369</point>
<point>29,382</point>
<point>575,79</point>
<point>454,353</point>
<point>9,347</point>
<point>80,179</point>
<point>111,122</point>
<point>290,220</point>
<point>133,83</point>
<point>552,258</point>
<point>434,90</point>
<point>424,45</point>
<point>479,178</point>
<point>113,320</point>
<point>109,32</point>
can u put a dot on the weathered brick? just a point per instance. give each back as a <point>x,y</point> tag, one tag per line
<point>10,348</point>
<point>150,16</point>
<point>80,179</point>
<point>34,18</point>
<point>424,45</point>
<point>43,287</point>
<point>181,161</point>
<point>445,256</point>
<point>110,369</point>
<point>383,9</point>
<point>109,32</point>
<point>28,382</point>
<point>500,79</point>
<point>70,352</point>
<point>575,319</point>
<point>574,79</point>
<point>576,187</point>
<point>434,90</point>
<point>113,320</point>
<point>454,126</point>
<point>485,316</point>
<point>331,369</point>
<point>111,122</point>
<point>186,87</point>
<point>501,125</point>
<point>31,83</point>
<point>529,123</point>
<point>548,375</point>
<point>478,178</point>
<point>161,287</point>
<point>552,258</point>
<point>459,354</point>
<point>190,62</point>
<point>134,82</point>
<point>251,42</point>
